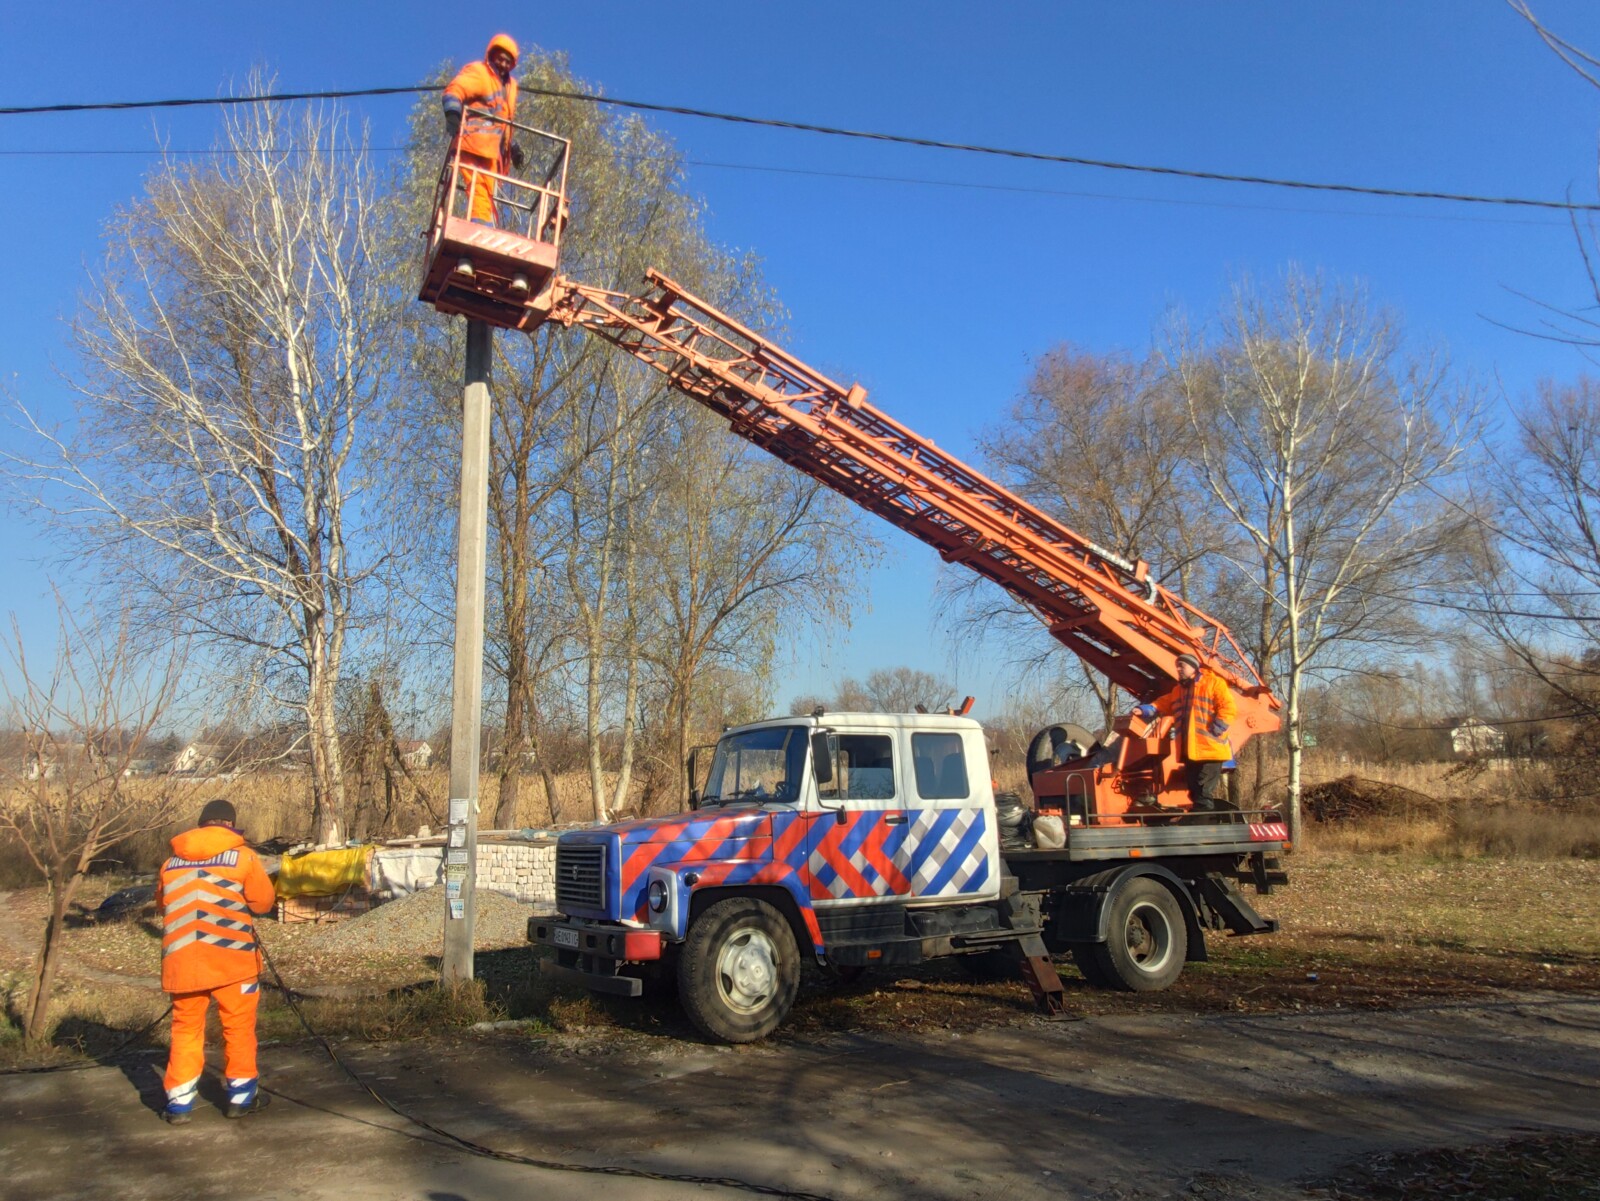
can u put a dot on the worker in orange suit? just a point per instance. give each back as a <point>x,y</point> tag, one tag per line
<point>1205,710</point>
<point>486,144</point>
<point>207,893</point>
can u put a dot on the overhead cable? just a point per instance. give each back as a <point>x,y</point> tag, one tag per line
<point>831,131</point>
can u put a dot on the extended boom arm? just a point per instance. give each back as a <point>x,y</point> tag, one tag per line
<point>1103,608</point>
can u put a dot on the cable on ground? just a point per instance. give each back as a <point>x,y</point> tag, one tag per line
<point>100,1061</point>
<point>551,1165</point>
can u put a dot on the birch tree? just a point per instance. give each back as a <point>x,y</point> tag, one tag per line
<point>1327,445</point>
<point>233,347</point>
<point>1100,442</point>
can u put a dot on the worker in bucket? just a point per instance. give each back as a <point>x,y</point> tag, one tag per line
<point>1204,707</point>
<point>486,143</point>
<point>207,893</point>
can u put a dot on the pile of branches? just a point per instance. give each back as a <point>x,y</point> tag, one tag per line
<point>1351,798</point>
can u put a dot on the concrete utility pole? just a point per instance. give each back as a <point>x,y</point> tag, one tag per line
<point>461,843</point>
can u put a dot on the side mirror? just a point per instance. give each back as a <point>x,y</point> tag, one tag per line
<point>821,757</point>
<point>694,798</point>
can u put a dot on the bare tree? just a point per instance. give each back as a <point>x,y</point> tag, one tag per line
<point>886,690</point>
<point>1539,594</point>
<point>234,346</point>
<point>1101,442</point>
<point>1327,444</point>
<point>72,796</point>
<point>742,553</point>
<point>572,503</point>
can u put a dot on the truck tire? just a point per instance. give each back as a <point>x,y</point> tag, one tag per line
<point>1088,965</point>
<point>1146,939</point>
<point>739,970</point>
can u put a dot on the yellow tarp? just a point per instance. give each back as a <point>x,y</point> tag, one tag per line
<point>323,873</point>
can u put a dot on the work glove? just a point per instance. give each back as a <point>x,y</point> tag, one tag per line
<point>517,156</point>
<point>452,122</point>
<point>1148,712</point>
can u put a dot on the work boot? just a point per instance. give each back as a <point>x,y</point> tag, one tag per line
<point>519,285</point>
<point>254,1105</point>
<point>176,1117</point>
<point>464,269</point>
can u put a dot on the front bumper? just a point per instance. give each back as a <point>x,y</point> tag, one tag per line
<point>589,953</point>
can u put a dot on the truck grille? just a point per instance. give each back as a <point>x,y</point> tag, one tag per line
<point>580,877</point>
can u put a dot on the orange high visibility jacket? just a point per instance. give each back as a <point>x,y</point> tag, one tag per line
<point>207,893</point>
<point>1205,709</point>
<point>477,86</point>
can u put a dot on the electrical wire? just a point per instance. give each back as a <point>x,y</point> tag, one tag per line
<point>99,1061</point>
<point>830,131</point>
<point>551,1165</point>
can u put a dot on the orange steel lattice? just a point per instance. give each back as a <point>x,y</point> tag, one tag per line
<point>1103,608</point>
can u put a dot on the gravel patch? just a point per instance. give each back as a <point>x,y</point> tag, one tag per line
<point>413,926</point>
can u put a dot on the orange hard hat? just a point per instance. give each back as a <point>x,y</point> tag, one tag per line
<point>504,41</point>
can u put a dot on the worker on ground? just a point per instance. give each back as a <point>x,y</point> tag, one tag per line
<point>1204,708</point>
<point>486,142</point>
<point>207,893</point>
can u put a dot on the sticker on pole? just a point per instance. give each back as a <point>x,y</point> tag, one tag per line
<point>458,910</point>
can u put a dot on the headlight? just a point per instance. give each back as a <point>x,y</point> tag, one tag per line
<point>657,895</point>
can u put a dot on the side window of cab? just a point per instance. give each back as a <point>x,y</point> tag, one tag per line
<point>865,769</point>
<point>939,762</point>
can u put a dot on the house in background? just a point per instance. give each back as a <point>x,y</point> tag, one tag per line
<point>197,759</point>
<point>416,753</point>
<point>1472,738</point>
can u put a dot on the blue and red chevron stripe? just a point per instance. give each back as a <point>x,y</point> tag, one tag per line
<point>872,854</point>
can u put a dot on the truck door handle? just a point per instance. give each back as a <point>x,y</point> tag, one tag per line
<point>894,819</point>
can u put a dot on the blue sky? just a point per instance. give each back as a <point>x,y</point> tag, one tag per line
<point>933,278</point>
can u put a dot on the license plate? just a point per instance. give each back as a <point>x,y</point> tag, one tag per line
<point>565,938</point>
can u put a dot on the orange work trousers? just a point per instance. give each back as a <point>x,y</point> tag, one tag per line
<point>480,186</point>
<point>236,1007</point>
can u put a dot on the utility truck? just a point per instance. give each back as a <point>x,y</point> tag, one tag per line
<point>855,839</point>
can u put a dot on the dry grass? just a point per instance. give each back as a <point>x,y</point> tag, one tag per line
<point>1359,931</point>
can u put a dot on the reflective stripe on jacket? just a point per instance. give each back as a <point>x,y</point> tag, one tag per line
<point>477,86</point>
<point>1205,711</point>
<point>208,893</point>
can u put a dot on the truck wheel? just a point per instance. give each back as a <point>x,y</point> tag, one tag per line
<point>1088,965</point>
<point>739,970</point>
<point>1146,939</point>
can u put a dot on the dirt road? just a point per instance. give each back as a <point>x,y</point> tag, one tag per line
<point>1107,1108</point>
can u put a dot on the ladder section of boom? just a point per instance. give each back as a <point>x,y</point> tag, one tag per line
<point>1102,607</point>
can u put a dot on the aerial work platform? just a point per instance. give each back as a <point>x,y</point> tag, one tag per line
<point>499,273</point>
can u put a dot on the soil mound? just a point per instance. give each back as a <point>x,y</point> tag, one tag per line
<point>1353,797</point>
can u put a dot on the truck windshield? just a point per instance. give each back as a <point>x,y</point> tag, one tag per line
<point>757,765</point>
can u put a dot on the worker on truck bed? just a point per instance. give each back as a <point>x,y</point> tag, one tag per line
<point>1205,709</point>
<point>207,893</point>
<point>486,144</point>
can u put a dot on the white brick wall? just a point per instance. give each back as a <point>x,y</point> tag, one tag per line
<point>524,870</point>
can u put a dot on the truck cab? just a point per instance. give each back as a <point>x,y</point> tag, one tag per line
<point>852,838</point>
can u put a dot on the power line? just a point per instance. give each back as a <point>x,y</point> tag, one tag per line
<point>853,176</point>
<point>831,131</point>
